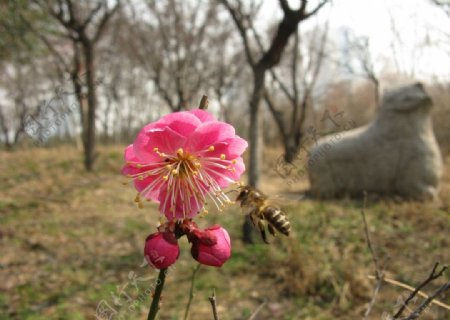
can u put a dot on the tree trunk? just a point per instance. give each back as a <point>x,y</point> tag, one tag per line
<point>255,145</point>
<point>290,149</point>
<point>376,90</point>
<point>89,151</point>
<point>255,130</point>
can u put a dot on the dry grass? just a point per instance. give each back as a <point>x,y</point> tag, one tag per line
<point>69,239</point>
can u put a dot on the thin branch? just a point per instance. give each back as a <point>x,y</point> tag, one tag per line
<point>408,287</point>
<point>191,291</point>
<point>315,10</point>
<point>275,77</point>
<point>374,295</point>
<point>203,103</point>
<point>379,273</point>
<point>278,115</point>
<point>431,277</point>
<point>285,6</point>
<point>255,313</point>
<point>239,21</point>
<point>212,300</point>
<point>416,313</point>
<point>91,15</point>
<point>62,63</point>
<point>106,16</point>
<point>367,234</point>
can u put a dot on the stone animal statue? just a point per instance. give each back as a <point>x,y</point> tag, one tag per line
<point>395,154</point>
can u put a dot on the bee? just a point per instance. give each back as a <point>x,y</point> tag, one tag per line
<point>261,209</point>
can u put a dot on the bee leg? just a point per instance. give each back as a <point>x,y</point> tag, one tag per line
<point>254,217</point>
<point>262,228</point>
<point>271,229</point>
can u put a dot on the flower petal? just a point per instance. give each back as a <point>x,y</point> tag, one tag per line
<point>238,169</point>
<point>208,134</point>
<point>140,144</point>
<point>203,115</point>
<point>130,160</point>
<point>166,140</point>
<point>183,123</point>
<point>153,193</point>
<point>231,148</point>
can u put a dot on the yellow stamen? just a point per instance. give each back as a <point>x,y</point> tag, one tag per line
<point>138,165</point>
<point>165,178</point>
<point>155,149</point>
<point>211,148</point>
<point>234,161</point>
<point>141,177</point>
<point>180,151</point>
<point>137,198</point>
<point>222,156</point>
<point>175,172</point>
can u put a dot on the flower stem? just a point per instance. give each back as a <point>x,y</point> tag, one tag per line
<point>154,308</point>
<point>191,292</point>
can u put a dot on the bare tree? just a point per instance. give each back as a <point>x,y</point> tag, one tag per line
<point>443,4</point>
<point>82,26</point>
<point>360,55</point>
<point>297,88</point>
<point>269,58</point>
<point>179,58</point>
<point>260,65</point>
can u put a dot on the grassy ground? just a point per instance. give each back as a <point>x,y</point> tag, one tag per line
<point>71,240</point>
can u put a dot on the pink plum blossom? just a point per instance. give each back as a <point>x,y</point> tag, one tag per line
<point>161,249</point>
<point>182,159</point>
<point>212,247</point>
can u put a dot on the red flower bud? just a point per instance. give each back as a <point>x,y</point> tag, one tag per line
<point>161,249</point>
<point>212,247</point>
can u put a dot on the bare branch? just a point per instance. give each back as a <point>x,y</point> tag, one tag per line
<point>277,115</point>
<point>285,6</point>
<point>431,277</point>
<point>301,10</point>
<point>255,313</point>
<point>379,273</point>
<point>239,21</point>
<point>91,15</point>
<point>315,10</point>
<point>191,292</point>
<point>275,77</point>
<point>63,64</point>
<point>104,20</point>
<point>212,300</point>
<point>416,313</point>
<point>409,288</point>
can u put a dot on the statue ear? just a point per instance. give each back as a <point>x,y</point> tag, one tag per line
<point>406,99</point>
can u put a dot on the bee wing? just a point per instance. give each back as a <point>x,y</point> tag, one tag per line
<point>281,200</point>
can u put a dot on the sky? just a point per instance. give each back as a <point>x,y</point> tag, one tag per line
<point>423,41</point>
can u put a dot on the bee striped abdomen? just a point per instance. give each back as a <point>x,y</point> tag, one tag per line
<point>277,219</point>
<point>260,210</point>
